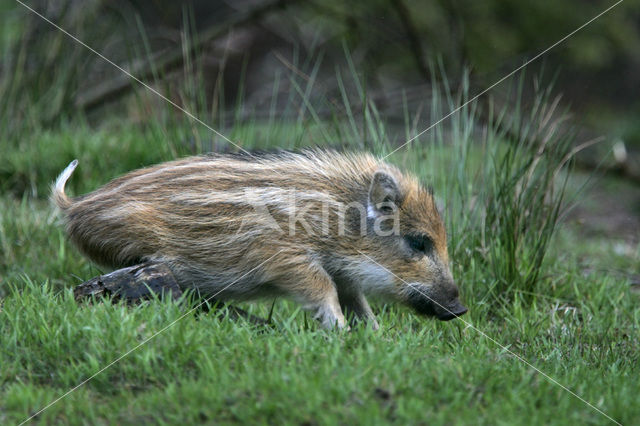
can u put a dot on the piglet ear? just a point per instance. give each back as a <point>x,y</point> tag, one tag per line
<point>384,193</point>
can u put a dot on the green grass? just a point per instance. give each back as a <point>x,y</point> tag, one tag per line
<point>529,291</point>
<point>583,332</point>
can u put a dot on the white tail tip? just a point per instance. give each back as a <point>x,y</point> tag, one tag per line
<point>64,176</point>
<point>58,195</point>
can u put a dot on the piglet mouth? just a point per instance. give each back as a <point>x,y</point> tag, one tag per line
<point>455,310</point>
<point>429,307</point>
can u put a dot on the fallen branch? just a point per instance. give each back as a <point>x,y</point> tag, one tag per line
<point>132,284</point>
<point>146,281</point>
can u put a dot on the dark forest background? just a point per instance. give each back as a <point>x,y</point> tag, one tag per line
<point>238,49</point>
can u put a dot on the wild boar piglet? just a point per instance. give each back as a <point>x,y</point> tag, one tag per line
<point>320,227</point>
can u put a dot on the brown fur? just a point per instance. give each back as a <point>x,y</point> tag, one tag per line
<point>199,216</point>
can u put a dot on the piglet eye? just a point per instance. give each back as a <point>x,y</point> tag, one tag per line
<point>420,243</point>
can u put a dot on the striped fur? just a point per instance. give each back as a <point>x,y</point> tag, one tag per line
<point>309,225</point>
